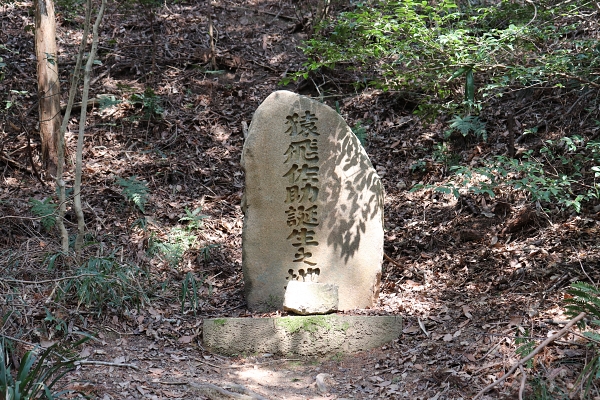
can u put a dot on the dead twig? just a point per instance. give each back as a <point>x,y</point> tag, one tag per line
<point>511,124</point>
<point>112,364</point>
<point>396,263</point>
<point>64,278</point>
<point>584,337</point>
<point>489,351</point>
<point>478,370</point>
<point>14,163</point>
<point>523,380</point>
<point>522,361</point>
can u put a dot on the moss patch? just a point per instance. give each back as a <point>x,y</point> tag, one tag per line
<point>219,322</point>
<point>309,323</point>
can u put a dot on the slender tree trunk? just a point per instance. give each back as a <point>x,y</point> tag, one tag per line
<point>48,83</point>
<point>79,156</point>
<point>63,128</point>
<point>213,50</point>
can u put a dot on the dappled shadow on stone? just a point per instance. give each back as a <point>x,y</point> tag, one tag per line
<point>356,192</point>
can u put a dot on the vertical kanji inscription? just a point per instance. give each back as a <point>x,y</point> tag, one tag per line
<point>302,190</point>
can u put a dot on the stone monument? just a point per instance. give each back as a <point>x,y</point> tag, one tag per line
<point>313,205</point>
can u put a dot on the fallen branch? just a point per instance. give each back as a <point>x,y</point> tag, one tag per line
<point>523,380</point>
<point>390,259</point>
<point>112,364</point>
<point>47,280</point>
<point>522,361</point>
<point>9,161</point>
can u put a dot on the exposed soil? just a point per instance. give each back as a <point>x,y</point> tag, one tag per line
<point>469,275</point>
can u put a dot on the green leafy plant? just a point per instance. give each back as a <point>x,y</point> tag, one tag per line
<point>2,66</point>
<point>37,374</point>
<point>428,47</point>
<point>361,133</point>
<point>204,252</point>
<point>45,210</point>
<point>591,370</point>
<point>442,154</point>
<point>104,282</point>
<point>468,125</point>
<point>419,165</point>
<point>552,176</point>
<point>543,390</point>
<point>190,291</point>
<point>151,103</point>
<point>467,72</point>
<point>181,239</point>
<point>54,324</point>
<point>174,246</point>
<point>106,101</point>
<point>584,297</point>
<point>193,218</point>
<point>526,346</point>
<point>135,191</point>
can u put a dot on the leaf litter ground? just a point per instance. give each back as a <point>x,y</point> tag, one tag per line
<point>469,275</point>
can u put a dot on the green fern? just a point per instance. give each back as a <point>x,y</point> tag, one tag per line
<point>361,133</point>
<point>586,298</point>
<point>526,347</point>
<point>105,101</point>
<point>135,191</point>
<point>469,124</point>
<point>177,242</point>
<point>45,211</point>
<point>193,218</point>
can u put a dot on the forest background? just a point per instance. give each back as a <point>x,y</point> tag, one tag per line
<point>482,118</point>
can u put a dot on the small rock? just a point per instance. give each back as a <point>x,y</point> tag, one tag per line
<point>323,382</point>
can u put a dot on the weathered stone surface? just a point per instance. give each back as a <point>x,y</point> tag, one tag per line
<point>304,335</point>
<point>306,298</point>
<point>313,205</point>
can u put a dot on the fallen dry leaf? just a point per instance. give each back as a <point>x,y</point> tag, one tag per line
<point>156,371</point>
<point>172,394</point>
<point>185,339</point>
<point>119,360</point>
<point>412,329</point>
<point>467,311</point>
<point>514,321</point>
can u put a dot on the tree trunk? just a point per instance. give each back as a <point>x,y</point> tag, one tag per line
<point>82,119</point>
<point>48,83</point>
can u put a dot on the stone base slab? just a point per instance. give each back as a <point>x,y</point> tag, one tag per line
<point>313,335</point>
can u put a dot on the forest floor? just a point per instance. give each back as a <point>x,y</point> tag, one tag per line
<point>469,275</point>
